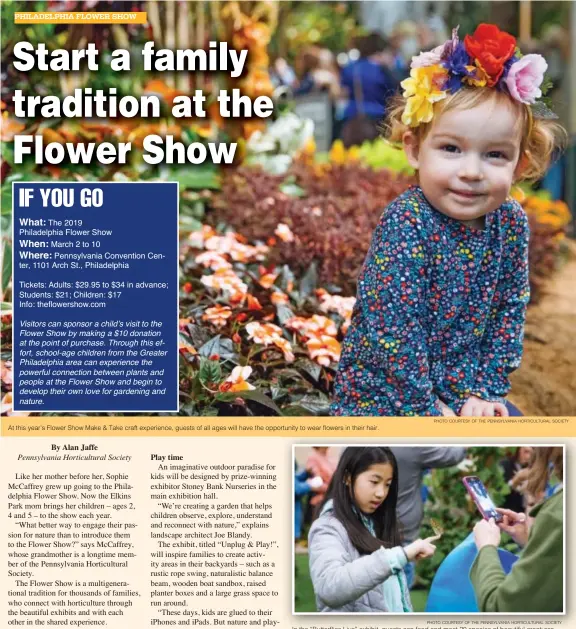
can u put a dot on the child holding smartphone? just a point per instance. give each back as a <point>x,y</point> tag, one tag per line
<point>355,552</point>
<point>439,318</point>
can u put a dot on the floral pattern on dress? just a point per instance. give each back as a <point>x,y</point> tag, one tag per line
<point>439,314</point>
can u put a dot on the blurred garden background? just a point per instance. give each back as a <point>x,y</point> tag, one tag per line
<point>271,246</point>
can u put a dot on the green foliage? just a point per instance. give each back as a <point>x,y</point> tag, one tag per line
<point>328,24</point>
<point>381,154</point>
<point>450,504</point>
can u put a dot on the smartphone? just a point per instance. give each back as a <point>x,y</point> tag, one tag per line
<point>475,487</point>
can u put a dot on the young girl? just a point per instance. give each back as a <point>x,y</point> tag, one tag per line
<point>355,552</point>
<point>438,323</point>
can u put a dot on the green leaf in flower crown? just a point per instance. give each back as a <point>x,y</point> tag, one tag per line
<point>541,110</point>
<point>547,85</point>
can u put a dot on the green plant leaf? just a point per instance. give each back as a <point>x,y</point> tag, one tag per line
<point>189,224</point>
<point>210,371</point>
<point>283,313</point>
<point>315,405</point>
<point>197,177</point>
<point>292,190</point>
<point>258,396</point>
<point>277,392</point>
<point>286,278</point>
<point>223,347</point>
<point>6,266</point>
<point>6,200</point>
<point>295,410</point>
<point>309,281</point>
<point>210,348</point>
<point>314,370</point>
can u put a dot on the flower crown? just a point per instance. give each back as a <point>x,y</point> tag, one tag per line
<point>488,58</point>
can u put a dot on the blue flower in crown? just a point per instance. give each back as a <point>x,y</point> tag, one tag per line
<point>460,67</point>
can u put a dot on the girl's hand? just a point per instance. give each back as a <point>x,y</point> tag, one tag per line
<point>421,548</point>
<point>517,525</point>
<point>477,407</point>
<point>445,409</point>
<point>486,533</point>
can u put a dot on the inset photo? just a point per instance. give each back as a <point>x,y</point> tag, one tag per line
<point>429,529</point>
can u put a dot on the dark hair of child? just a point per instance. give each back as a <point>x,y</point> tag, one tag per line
<point>352,463</point>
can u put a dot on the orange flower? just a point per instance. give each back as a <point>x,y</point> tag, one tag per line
<point>338,152</point>
<point>156,86</point>
<point>10,127</point>
<point>279,298</point>
<point>284,232</point>
<point>320,326</point>
<point>186,348</point>
<point>198,238</point>
<point>314,326</point>
<point>270,334</point>
<point>263,333</point>
<point>213,111</point>
<point>49,135</point>
<point>267,280</point>
<point>324,349</point>
<point>286,348</point>
<point>225,280</point>
<point>336,303</point>
<point>204,129</point>
<point>236,381</point>
<point>182,323</point>
<point>254,35</point>
<point>230,244</point>
<point>253,303</point>
<point>256,83</point>
<point>212,260</point>
<point>217,315</point>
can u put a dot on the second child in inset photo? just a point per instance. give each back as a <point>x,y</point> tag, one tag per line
<point>438,324</point>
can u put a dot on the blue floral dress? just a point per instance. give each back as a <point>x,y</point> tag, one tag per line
<point>439,314</point>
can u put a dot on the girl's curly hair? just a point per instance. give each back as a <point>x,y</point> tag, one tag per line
<point>540,137</point>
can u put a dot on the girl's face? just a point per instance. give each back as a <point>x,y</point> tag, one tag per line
<point>468,160</point>
<point>371,487</point>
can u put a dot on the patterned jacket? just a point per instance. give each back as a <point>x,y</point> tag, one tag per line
<point>439,314</point>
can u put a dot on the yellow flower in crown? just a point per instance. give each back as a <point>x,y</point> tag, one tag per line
<point>422,90</point>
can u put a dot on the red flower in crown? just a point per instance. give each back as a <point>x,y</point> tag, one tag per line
<point>492,48</point>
